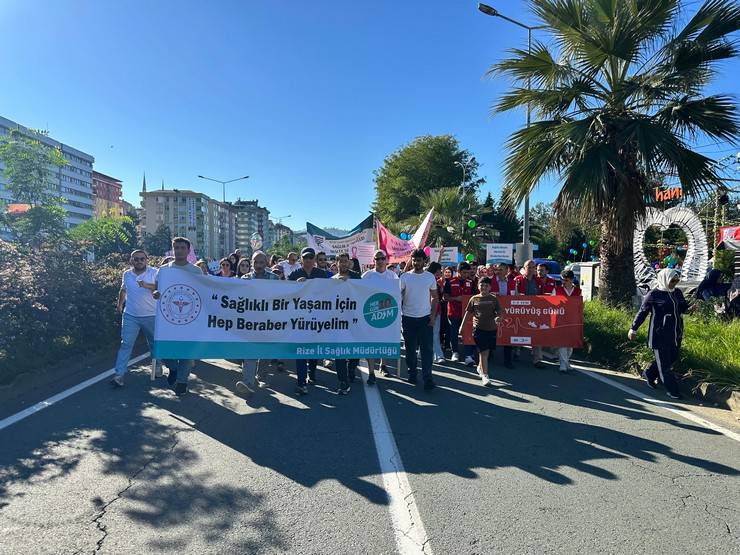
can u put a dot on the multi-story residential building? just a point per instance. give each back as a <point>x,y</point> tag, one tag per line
<point>107,193</point>
<point>209,224</point>
<point>283,231</point>
<point>251,218</point>
<point>72,182</point>
<point>126,208</point>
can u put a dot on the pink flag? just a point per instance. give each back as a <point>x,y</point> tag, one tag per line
<point>399,250</point>
<point>191,255</point>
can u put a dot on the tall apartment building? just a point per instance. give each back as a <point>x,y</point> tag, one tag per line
<point>251,218</point>
<point>209,224</point>
<point>107,195</point>
<point>73,182</point>
<point>283,231</point>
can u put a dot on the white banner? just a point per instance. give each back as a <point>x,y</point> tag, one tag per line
<point>202,316</point>
<point>499,252</point>
<point>449,256</point>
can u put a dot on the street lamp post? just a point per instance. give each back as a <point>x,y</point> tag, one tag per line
<point>462,190</point>
<point>223,183</point>
<point>493,12</point>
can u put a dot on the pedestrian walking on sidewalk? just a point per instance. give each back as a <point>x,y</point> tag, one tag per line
<point>666,306</point>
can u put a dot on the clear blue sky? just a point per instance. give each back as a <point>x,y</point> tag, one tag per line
<point>305,97</point>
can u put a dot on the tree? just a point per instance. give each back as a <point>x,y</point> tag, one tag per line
<point>107,235</point>
<point>159,242</point>
<point>28,171</point>
<point>619,97</point>
<point>284,246</point>
<point>425,164</point>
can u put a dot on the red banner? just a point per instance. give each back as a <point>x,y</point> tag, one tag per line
<point>542,321</point>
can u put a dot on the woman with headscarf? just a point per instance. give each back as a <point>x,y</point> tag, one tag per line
<point>666,306</point>
<point>710,287</point>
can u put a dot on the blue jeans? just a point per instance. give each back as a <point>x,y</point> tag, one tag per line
<point>418,333</point>
<point>303,367</point>
<point>437,340</point>
<point>181,367</point>
<point>130,327</point>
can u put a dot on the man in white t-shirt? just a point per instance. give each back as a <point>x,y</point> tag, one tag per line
<point>179,368</point>
<point>419,300</point>
<point>290,265</point>
<point>137,305</point>
<point>379,272</point>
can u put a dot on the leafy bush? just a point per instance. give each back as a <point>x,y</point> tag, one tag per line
<point>709,352</point>
<point>54,305</point>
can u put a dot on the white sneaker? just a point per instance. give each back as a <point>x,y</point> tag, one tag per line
<point>484,380</point>
<point>455,357</point>
<point>439,360</point>
<point>469,361</point>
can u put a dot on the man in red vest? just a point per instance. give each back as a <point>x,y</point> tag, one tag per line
<point>454,290</point>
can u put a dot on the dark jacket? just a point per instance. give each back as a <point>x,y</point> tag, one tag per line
<point>666,311</point>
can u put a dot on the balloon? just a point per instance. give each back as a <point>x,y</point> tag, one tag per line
<point>568,263</point>
<point>592,243</point>
<point>427,251</point>
<point>469,257</point>
<point>573,251</point>
<point>549,257</point>
<point>472,224</point>
<point>404,236</point>
<point>585,245</point>
<point>459,257</point>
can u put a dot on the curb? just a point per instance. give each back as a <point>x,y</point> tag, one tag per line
<point>716,396</point>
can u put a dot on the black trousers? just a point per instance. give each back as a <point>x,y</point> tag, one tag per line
<point>346,369</point>
<point>665,357</point>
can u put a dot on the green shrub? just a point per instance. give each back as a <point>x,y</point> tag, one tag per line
<point>709,352</point>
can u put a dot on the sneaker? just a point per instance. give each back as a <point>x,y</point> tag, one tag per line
<point>429,385</point>
<point>181,389</point>
<point>539,364</point>
<point>384,370</point>
<point>469,361</point>
<point>301,390</point>
<point>117,381</point>
<point>439,360</point>
<point>651,384</point>
<point>329,364</point>
<point>673,395</point>
<point>243,388</point>
<point>343,388</point>
<point>455,357</point>
<point>371,379</point>
<point>172,377</point>
<point>411,379</point>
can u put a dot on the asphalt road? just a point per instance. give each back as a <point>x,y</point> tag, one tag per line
<point>539,463</point>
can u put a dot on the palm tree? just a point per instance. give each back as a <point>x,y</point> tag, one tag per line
<point>620,99</point>
<point>452,210</point>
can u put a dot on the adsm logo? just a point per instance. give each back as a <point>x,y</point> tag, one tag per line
<point>380,310</point>
<point>180,304</point>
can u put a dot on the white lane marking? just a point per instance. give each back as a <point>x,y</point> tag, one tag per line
<point>411,537</point>
<point>667,405</point>
<point>41,405</point>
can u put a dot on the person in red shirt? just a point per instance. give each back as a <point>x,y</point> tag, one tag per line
<point>547,284</point>
<point>567,289</point>
<point>527,283</point>
<point>454,290</point>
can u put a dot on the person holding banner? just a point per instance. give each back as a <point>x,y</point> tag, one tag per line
<point>454,291</point>
<point>666,306</point>
<point>290,265</point>
<point>251,368</point>
<point>179,368</point>
<point>419,300</point>
<point>322,262</point>
<point>527,283</point>
<point>501,285</point>
<point>379,272</point>
<point>346,368</point>
<point>486,312</point>
<point>567,289</point>
<point>306,368</point>
<point>547,284</point>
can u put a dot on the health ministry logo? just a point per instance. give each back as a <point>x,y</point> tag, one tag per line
<point>180,304</point>
<point>380,310</point>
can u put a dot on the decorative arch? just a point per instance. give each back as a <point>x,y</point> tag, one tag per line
<point>697,255</point>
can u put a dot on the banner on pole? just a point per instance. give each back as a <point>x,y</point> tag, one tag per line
<point>358,242</point>
<point>541,321</point>
<point>202,316</point>
<point>499,252</point>
<point>447,256</point>
<point>399,250</point>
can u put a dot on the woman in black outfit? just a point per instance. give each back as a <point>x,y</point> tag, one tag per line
<point>666,306</point>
